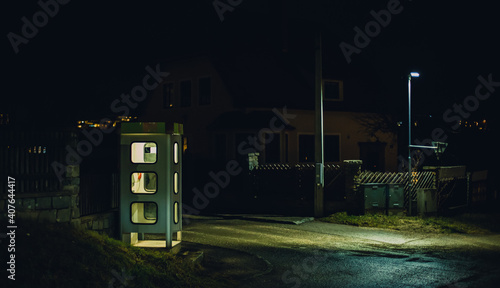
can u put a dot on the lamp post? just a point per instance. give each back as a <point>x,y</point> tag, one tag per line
<point>411,75</point>
<point>318,139</point>
<point>438,147</point>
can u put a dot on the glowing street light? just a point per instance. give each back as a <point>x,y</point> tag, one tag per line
<point>411,75</point>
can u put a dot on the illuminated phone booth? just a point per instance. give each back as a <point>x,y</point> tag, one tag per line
<point>150,184</point>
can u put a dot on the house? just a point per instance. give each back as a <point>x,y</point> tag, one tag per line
<point>227,101</point>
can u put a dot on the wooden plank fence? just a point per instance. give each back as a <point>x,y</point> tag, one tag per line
<point>27,155</point>
<point>98,193</point>
<point>291,180</point>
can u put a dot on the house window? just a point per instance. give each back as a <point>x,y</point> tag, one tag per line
<point>272,148</point>
<point>204,91</point>
<point>333,90</point>
<point>331,148</point>
<point>185,93</point>
<point>306,148</point>
<point>168,95</point>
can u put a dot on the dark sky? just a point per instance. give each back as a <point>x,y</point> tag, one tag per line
<point>90,52</point>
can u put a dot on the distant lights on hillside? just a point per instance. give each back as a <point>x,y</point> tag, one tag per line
<point>476,125</point>
<point>83,124</point>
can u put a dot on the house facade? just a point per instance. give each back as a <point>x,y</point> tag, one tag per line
<point>256,104</point>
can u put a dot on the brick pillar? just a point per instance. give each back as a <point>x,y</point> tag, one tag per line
<point>71,184</point>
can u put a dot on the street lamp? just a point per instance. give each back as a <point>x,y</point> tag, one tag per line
<point>438,147</point>
<point>411,75</point>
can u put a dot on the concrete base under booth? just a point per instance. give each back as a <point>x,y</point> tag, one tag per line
<point>155,244</point>
<point>137,240</point>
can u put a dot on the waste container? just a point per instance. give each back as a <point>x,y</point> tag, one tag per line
<point>375,195</point>
<point>382,197</point>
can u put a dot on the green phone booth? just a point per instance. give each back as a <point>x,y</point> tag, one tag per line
<point>150,184</point>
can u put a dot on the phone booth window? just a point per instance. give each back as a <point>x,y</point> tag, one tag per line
<point>143,152</point>
<point>143,182</point>
<point>176,182</point>
<point>176,153</point>
<point>144,212</point>
<point>176,212</point>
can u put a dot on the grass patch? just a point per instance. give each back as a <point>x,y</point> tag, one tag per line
<point>465,223</point>
<point>57,255</point>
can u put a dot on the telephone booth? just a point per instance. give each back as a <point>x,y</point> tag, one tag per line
<point>150,184</point>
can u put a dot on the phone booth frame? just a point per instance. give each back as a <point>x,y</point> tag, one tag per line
<point>151,181</point>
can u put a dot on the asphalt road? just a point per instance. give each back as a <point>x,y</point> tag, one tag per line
<point>316,254</point>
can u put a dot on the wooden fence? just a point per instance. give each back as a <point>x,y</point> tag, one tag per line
<point>294,180</point>
<point>98,193</point>
<point>27,156</point>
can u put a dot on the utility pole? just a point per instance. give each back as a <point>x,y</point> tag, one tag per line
<point>410,178</point>
<point>318,139</point>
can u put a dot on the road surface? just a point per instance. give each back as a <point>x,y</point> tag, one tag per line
<point>317,254</point>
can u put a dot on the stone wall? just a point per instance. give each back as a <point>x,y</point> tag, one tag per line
<point>61,207</point>
<point>103,223</point>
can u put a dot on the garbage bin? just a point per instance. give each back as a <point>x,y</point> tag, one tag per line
<point>382,197</point>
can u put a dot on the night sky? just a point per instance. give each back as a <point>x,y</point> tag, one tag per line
<point>90,52</point>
